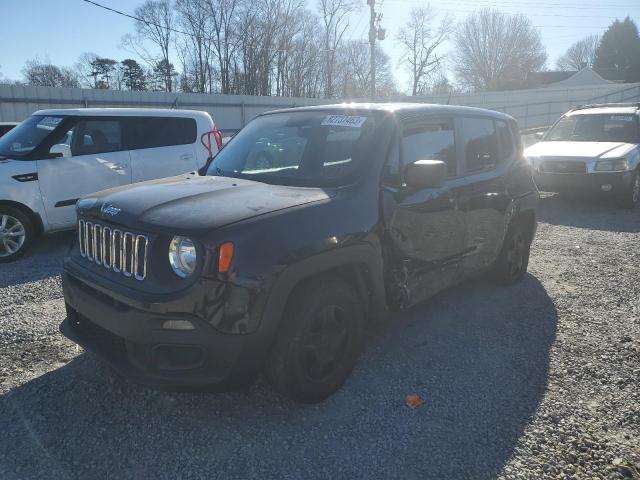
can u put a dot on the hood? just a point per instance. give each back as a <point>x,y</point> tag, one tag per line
<point>191,203</point>
<point>580,150</point>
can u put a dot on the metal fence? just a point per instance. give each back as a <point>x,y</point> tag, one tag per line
<point>532,108</point>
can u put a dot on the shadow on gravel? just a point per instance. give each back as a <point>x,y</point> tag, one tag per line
<point>478,355</point>
<point>43,260</point>
<point>588,212</point>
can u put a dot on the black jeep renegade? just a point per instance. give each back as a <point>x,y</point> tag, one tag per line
<point>308,227</point>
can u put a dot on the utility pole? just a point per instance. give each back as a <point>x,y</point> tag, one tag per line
<point>375,33</point>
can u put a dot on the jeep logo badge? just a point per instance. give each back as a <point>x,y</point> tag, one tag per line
<point>109,210</point>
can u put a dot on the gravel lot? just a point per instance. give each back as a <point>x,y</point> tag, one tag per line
<point>539,380</point>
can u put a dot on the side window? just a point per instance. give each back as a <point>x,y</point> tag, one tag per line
<point>152,132</point>
<point>430,141</point>
<point>480,144</point>
<point>88,137</point>
<point>506,141</point>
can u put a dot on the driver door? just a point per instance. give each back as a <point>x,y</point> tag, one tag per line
<point>95,159</point>
<point>426,226</point>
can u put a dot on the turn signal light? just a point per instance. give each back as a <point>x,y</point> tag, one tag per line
<point>225,255</point>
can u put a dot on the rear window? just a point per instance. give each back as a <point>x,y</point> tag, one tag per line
<point>480,144</point>
<point>152,132</point>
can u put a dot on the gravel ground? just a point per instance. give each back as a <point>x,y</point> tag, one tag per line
<point>534,381</point>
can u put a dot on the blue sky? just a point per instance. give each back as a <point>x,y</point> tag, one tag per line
<point>61,30</point>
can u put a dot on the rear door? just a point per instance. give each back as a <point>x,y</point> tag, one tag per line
<point>98,161</point>
<point>426,226</point>
<point>487,150</point>
<point>161,146</point>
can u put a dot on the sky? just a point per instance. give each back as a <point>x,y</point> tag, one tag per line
<point>61,30</point>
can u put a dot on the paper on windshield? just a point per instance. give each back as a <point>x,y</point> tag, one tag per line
<point>50,121</point>
<point>344,121</point>
<point>622,118</point>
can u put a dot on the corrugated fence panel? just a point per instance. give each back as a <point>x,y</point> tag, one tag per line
<point>532,108</point>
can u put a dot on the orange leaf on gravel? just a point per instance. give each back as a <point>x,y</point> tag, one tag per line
<point>413,401</point>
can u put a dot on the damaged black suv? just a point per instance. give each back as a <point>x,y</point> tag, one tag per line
<point>306,229</point>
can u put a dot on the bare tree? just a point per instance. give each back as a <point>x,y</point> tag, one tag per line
<point>84,69</point>
<point>195,49</point>
<point>156,25</point>
<point>580,55</point>
<point>45,74</point>
<point>419,39</point>
<point>335,20</point>
<point>353,71</point>
<point>224,22</point>
<point>493,50</point>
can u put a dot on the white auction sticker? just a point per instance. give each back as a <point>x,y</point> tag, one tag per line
<point>622,118</point>
<point>344,121</point>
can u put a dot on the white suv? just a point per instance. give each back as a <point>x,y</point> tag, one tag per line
<point>591,148</point>
<point>55,157</point>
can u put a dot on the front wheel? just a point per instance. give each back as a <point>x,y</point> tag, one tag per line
<point>513,261</point>
<point>319,342</point>
<point>630,196</point>
<point>16,233</point>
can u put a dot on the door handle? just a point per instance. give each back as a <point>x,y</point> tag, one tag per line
<point>119,166</point>
<point>186,156</point>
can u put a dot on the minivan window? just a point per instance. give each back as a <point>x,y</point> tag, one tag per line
<point>153,132</point>
<point>24,138</point>
<point>95,136</point>
<point>430,141</point>
<point>480,144</point>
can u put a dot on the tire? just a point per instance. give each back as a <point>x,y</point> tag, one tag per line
<point>16,233</point>
<point>512,263</point>
<point>630,197</point>
<point>319,342</point>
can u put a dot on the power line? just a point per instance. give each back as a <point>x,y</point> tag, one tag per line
<point>470,10</point>
<point>164,27</point>
<point>512,4</point>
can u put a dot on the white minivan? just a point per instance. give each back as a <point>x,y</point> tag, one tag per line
<point>55,157</point>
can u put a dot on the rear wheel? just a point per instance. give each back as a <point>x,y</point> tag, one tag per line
<point>513,261</point>
<point>630,197</point>
<point>319,342</point>
<point>16,233</point>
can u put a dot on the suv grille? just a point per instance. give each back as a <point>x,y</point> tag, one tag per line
<point>564,166</point>
<point>113,249</point>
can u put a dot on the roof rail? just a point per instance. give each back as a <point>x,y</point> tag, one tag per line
<point>603,105</point>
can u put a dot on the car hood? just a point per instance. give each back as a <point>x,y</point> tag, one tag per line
<point>580,150</point>
<point>191,203</point>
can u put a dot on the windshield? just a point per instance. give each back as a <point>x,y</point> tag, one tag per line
<point>299,148</point>
<point>596,128</point>
<point>21,141</point>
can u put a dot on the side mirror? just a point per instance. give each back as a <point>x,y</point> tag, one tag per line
<point>60,150</point>
<point>426,174</point>
<point>539,135</point>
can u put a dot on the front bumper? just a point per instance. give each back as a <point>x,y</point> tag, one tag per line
<point>129,335</point>
<point>587,182</point>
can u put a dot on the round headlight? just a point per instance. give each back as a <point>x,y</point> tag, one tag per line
<point>183,256</point>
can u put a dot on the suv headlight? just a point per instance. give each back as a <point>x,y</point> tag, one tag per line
<point>613,165</point>
<point>183,256</point>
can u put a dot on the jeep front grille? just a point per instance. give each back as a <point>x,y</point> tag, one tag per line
<point>116,250</point>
